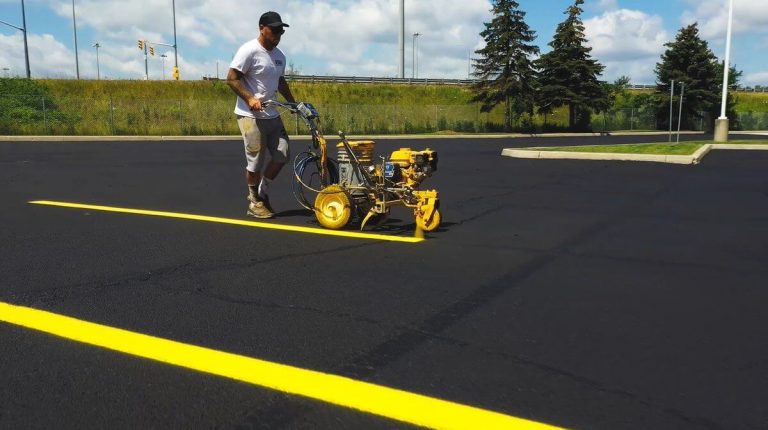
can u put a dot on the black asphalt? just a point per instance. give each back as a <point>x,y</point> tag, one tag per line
<point>583,294</point>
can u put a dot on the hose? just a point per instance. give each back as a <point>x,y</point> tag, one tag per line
<point>300,164</point>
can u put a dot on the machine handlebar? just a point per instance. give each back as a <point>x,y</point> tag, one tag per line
<point>305,110</point>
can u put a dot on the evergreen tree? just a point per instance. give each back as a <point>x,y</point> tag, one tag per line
<point>504,67</point>
<point>568,74</point>
<point>690,61</point>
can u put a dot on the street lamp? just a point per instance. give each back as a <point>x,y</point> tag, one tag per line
<point>98,74</point>
<point>5,71</point>
<point>23,30</point>
<point>74,26</point>
<point>721,124</point>
<point>415,48</point>
<point>163,56</point>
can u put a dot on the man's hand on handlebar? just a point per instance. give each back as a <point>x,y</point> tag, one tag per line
<point>255,104</point>
<point>290,106</point>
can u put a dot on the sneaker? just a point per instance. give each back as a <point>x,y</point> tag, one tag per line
<point>267,205</point>
<point>257,209</point>
<point>265,200</point>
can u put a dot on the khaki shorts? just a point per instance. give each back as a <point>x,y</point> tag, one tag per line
<point>263,133</point>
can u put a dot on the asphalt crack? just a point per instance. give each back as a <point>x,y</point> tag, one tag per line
<point>93,288</point>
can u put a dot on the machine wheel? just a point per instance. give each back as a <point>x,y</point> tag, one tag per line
<point>332,207</point>
<point>433,223</point>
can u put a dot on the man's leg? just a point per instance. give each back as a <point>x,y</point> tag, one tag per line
<point>254,155</point>
<point>252,179</point>
<point>277,144</point>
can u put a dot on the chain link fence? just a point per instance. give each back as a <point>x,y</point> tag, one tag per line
<point>110,116</point>
<point>40,115</point>
<point>753,120</point>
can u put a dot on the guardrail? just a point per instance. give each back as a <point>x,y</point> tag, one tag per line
<point>390,80</point>
<point>379,80</point>
<point>434,81</point>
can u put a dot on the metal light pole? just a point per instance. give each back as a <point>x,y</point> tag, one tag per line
<point>416,54</point>
<point>23,30</point>
<point>469,65</point>
<point>401,39</point>
<point>5,72</point>
<point>98,73</point>
<point>26,46</point>
<point>721,124</point>
<point>680,115</point>
<point>671,101</point>
<point>413,55</point>
<point>74,25</point>
<point>163,56</point>
<point>175,46</point>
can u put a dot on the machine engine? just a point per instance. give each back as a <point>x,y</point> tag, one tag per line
<point>409,166</point>
<point>363,151</point>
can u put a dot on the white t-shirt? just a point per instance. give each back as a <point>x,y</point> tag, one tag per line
<point>262,70</point>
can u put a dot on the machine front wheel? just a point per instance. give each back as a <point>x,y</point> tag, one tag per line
<point>332,207</point>
<point>431,224</point>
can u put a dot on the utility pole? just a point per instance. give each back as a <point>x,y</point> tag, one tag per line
<point>402,39</point>
<point>143,45</point>
<point>74,26</point>
<point>98,74</point>
<point>469,65</point>
<point>671,100</point>
<point>680,115</point>
<point>26,46</point>
<point>175,46</point>
<point>417,53</point>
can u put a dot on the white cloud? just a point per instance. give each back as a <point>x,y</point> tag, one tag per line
<point>608,4</point>
<point>627,42</point>
<point>712,16</point>
<point>331,36</point>
<point>759,78</point>
<point>57,61</point>
<point>338,35</point>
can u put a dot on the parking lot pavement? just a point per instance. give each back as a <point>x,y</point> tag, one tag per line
<point>581,294</point>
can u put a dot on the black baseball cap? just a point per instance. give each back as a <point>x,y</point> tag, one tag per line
<point>272,19</point>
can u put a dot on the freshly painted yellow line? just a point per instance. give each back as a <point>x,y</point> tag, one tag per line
<point>273,226</point>
<point>338,390</point>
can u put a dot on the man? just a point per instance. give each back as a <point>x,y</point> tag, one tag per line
<point>256,75</point>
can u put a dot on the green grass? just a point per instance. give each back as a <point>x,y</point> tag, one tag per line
<point>87,107</point>
<point>751,102</point>
<point>685,148</point>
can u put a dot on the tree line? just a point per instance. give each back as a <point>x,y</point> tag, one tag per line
<point>511,73</point>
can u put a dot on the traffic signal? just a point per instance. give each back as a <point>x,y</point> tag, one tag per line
<point>141,45</point>
<point>175,73</point>
<point>151,50</point>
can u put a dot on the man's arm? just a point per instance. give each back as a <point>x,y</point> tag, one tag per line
<point>234,80</point>
<point>285,90</point>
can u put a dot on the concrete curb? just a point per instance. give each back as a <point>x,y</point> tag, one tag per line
<point>694,158</point>
<point>746,146</point>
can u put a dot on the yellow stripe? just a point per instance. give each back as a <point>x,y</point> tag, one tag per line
<point>273,226</point>
<point>338,390</point>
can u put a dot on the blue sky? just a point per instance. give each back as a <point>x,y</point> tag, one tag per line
<point>357,38</point>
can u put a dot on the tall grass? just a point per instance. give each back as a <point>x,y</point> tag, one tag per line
<point>751,102</point>
<point>206,107</point>
<point>87,107</point>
